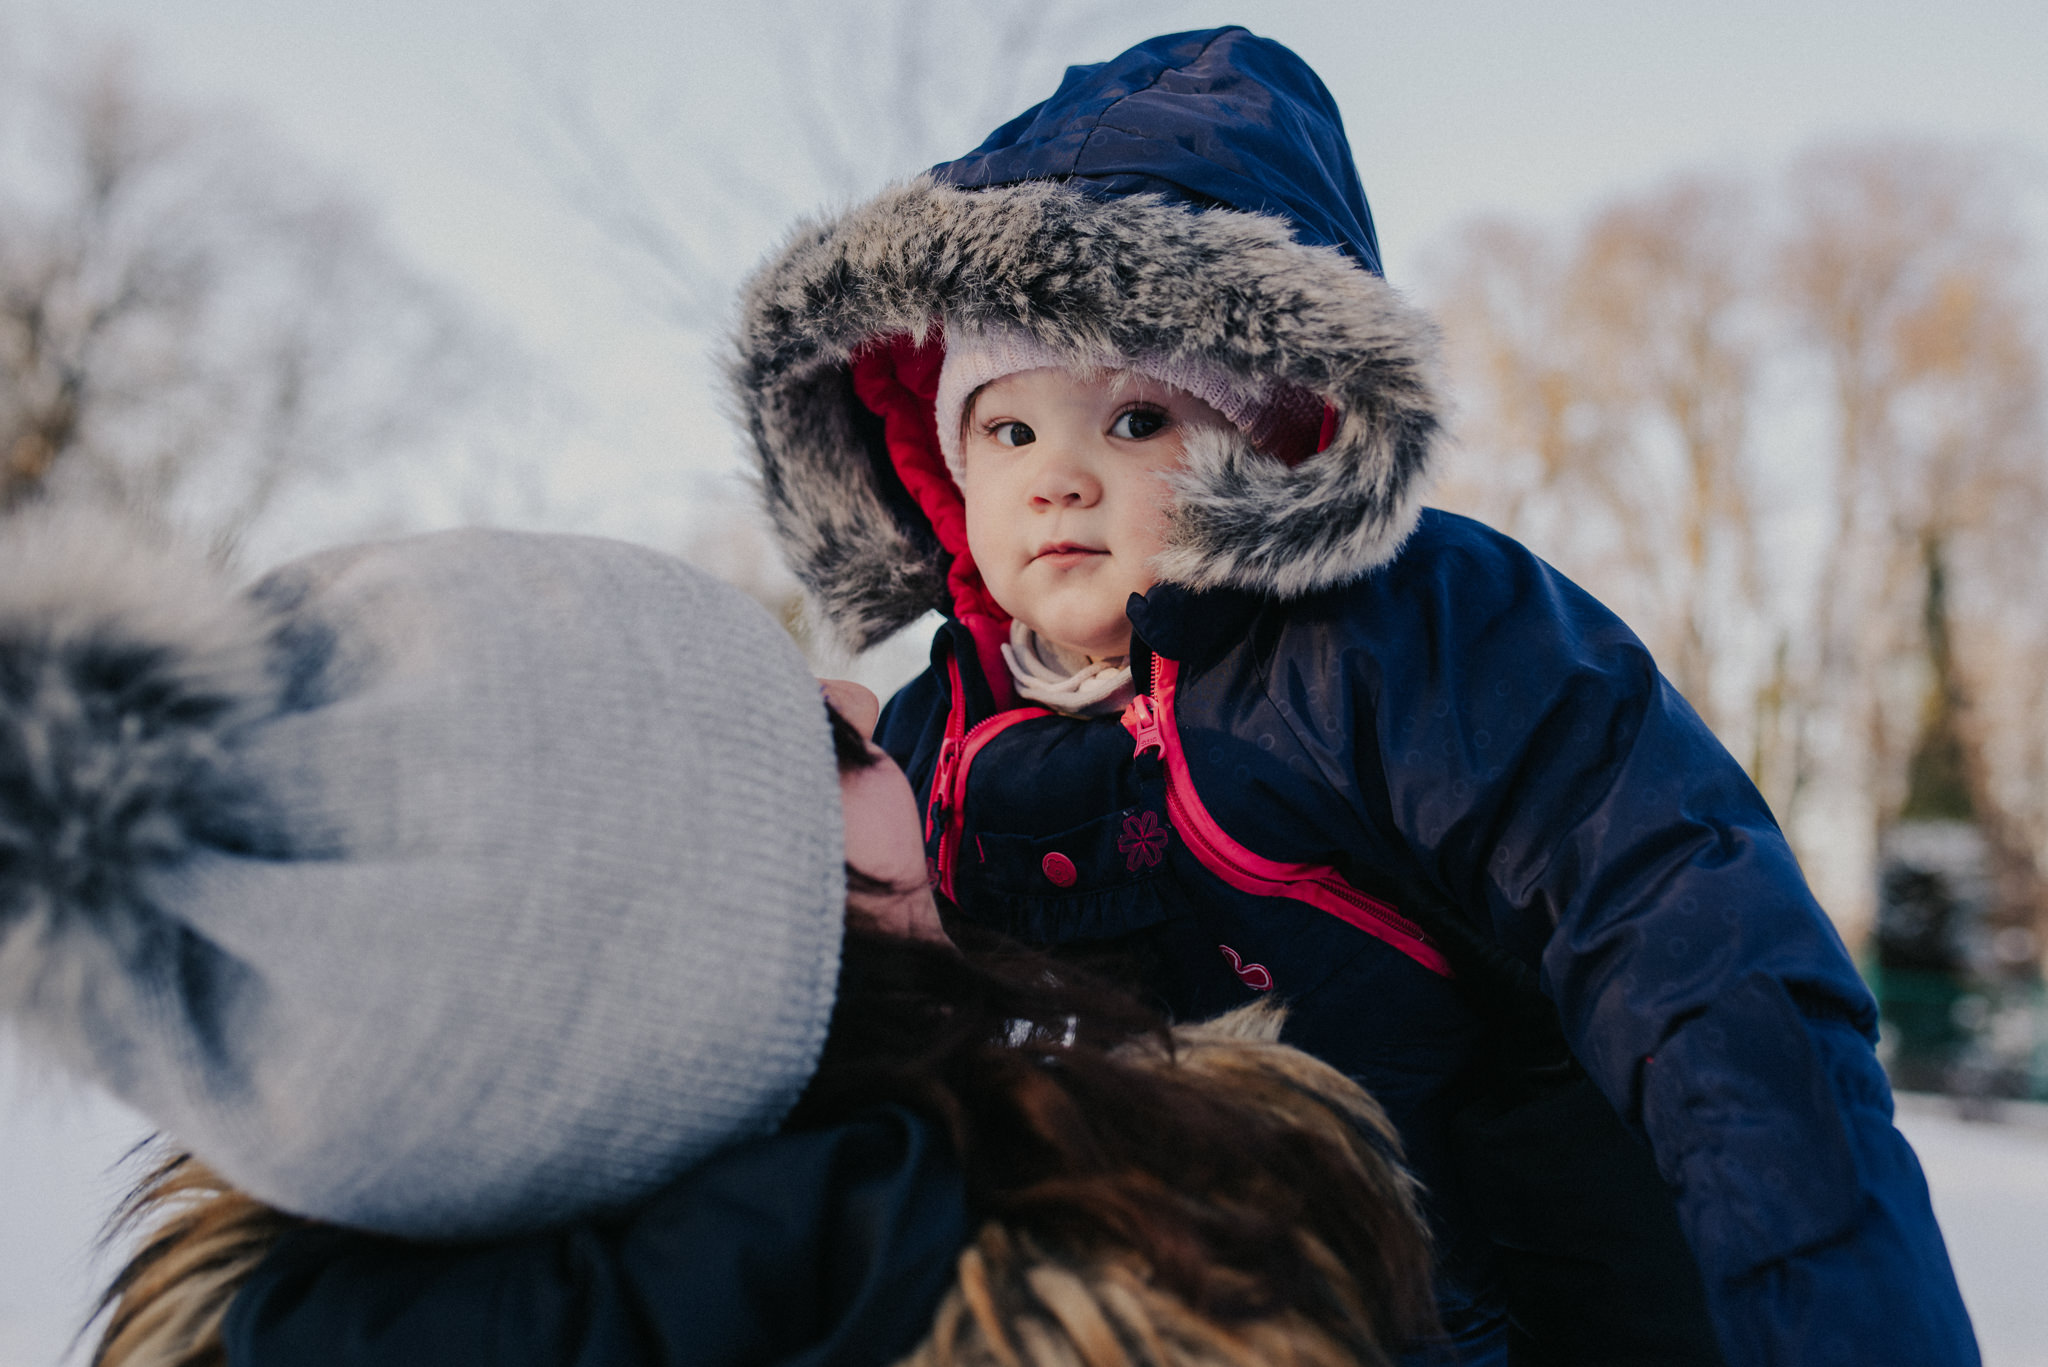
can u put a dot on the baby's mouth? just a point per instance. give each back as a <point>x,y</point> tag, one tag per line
<point>1067,552</point>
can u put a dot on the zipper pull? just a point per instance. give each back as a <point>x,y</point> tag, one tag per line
<point>942,786</point>
<point>1141,719</point>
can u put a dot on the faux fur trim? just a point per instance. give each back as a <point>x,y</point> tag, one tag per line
<point>126,670</point>
<point>1134,275</point>
<point>1017,1300</point>
<point>1023,1300</point>
<point>1241,1052</point>
<point>198,1241</point>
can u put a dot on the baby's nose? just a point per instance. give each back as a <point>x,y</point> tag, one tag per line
<point>1065,481</point>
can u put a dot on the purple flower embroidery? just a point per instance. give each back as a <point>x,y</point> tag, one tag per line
<point>1143,842</point>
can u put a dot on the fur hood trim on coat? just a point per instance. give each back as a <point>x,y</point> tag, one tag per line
<point>1018,1301</point>
<point>874,545</point>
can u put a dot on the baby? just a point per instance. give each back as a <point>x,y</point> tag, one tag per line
<point>1123,395</point>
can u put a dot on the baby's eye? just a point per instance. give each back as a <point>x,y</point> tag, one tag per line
<point>1013,434</point>
<point>1138,424</point>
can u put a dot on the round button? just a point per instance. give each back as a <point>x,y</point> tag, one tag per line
<point>1059,869</point>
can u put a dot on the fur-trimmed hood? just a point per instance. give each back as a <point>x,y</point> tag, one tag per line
<point>1014,1295</point>
<point>841,334</point>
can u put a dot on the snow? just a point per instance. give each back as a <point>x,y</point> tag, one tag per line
<point>1990,1185</point>
<point>61,1151</point>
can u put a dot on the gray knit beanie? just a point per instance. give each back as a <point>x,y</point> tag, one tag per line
<point>444,887</point>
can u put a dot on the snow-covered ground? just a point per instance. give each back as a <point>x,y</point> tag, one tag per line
<point>1990,1183</point>
<point>59,1154</point>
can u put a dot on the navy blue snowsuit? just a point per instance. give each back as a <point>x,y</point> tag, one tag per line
<point>1363,700</point>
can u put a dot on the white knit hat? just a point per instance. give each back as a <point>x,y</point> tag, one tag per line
<point>441,887</point>
<point>977,355</point>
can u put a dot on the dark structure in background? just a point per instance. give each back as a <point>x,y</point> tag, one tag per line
<point>1956,969</point>
<point>1930,903</point>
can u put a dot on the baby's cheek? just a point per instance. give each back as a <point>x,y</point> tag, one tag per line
<point>1156,517</point>
<point>984,530</point>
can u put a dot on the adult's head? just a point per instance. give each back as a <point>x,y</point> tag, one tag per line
<point>441,886</point>
<point>886,884</point>
<point>467,883</point>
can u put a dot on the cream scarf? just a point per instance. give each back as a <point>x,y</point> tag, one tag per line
<point>1067,683</point>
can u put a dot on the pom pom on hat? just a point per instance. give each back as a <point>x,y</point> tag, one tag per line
<point>1281,420</point>
<point>443,887</point>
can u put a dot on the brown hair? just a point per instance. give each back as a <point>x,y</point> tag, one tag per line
<point>201,1239</point>
<point>1045,1077</point>
<point>1243,1187</point>
<point>1050,1085</point>
<point>1250,1184</point>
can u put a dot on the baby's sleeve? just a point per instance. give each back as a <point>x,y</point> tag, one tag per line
<point>1519,742</point>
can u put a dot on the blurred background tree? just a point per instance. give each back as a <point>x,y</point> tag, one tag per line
<point>1861,622</point>
<point>1609,381</point>
<point>870,96</point>
<point>191,323</point>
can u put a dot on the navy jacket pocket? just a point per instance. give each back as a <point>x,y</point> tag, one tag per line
<point>1744,1122</point>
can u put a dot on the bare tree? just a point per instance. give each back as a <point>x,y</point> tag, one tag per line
<point>189,322</point>
<point>1614,380</point>
<point>1903,268</point>
<point>859,96</point>
<point>1873,233</point>
<point>1610,381</point>
<point>1531,424</point>
<point>1663,297</point>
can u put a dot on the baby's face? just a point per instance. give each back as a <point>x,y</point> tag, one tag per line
<point>1066,496</point>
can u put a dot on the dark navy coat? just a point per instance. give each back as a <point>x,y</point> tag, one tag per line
<point>821,1248</point>
<point>1467,718</point>
<point>1366,694</point>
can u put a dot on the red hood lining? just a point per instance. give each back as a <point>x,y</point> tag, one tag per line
<point>898,379</point>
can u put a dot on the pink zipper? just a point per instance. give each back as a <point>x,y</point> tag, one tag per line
<point>949,779</point>
<point>1150,720</point>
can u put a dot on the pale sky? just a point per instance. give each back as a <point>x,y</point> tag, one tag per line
<point>427,110</point>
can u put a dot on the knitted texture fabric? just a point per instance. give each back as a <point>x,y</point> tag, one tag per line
<point>976,356</point>
<point>1080,688</point>
<point>441,887</point>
